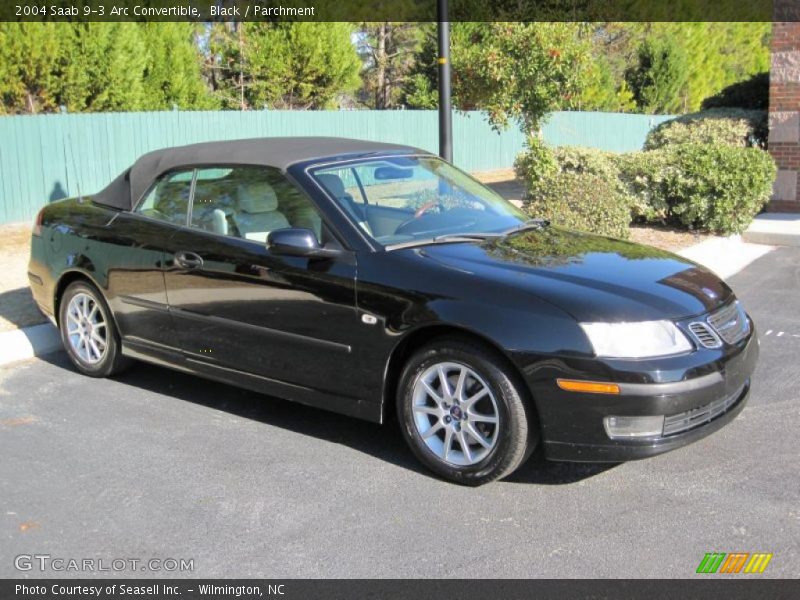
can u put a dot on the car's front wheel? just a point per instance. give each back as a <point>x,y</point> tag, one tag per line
<point>462,412</point>
<point>88,331</point>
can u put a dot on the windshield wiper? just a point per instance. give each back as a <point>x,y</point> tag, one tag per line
<point>528,225</point>
<point>470,237</point>
<point>451,237</point>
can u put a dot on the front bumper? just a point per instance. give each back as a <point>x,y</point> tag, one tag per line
<point>572,423</point>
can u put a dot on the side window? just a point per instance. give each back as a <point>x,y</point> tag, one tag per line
<point>249,202</point>
<point>343,185</point>
<point>168,200</point>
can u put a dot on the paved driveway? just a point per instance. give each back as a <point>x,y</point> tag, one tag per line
<point>160,465</point>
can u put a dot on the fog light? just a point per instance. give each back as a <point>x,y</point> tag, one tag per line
<point>633,427</point>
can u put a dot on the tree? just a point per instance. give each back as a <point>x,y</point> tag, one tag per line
<point>420,88</point>
<point>717,55</point>
<point>519,70</point>
<point>282,65</point>
<point>512,70</point>
<point>172,71</point>
<point>603,91</point>
<point>29,67</point>
<point>322,64</point>
<point>88,67</point>
<point>103,67</point>
<point>658,79</point>
<point>389,51</point>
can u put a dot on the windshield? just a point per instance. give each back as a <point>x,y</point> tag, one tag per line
<point>405,200</point>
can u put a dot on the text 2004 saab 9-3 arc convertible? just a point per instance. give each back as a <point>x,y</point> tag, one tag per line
<point>367,278</point>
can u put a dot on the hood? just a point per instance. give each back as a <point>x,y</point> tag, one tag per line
<point>593,278</point>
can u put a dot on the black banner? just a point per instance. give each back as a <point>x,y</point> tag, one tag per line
<point>398,10</point>
<point>710,588</point>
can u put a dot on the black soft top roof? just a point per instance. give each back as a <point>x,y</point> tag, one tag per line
<point>279,153</point>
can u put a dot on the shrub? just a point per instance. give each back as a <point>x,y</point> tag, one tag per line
<point>723,126</point>
<point>577,159</point>
<point>637,176</point>
<point>539,163</point>
<point>536,163</point>
<point>715,187</point>
<point>585,202</point>
<point>558,189</point>
<point>642,176</point>
<point>719,188</point>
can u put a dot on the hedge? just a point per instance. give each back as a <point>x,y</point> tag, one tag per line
<point>724,126</point>
<point>584,202</point>
<point>713,187</point>
<point>717,188</point>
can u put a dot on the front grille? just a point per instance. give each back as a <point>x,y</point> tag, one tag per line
<point>730,323</point>
<point>690,419</point>
<point>705,335</point>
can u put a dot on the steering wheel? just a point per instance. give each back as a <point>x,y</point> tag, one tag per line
<point>419,213</point>
<point>426,207</point>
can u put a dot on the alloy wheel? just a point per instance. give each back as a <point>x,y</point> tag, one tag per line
<point>87,330</point>
<point>455,413</point>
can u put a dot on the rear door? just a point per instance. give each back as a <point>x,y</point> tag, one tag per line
<point>236,305</point>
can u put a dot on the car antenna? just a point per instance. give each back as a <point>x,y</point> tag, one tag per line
<point>75,168</point>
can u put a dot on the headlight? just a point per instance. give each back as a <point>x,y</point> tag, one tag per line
<point>636,340</point>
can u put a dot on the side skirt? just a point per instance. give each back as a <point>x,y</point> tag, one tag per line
<point>173,358</point>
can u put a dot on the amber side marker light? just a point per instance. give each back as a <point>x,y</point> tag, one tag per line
<point>590,387</point>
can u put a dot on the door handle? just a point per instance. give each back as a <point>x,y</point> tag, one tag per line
<point>188,260</point>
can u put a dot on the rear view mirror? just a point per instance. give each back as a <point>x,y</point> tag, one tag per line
<point>384,173</point>
<point>298,242</point>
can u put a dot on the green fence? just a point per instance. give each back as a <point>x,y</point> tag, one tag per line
<point>617,132</point>
<point>47,157</point>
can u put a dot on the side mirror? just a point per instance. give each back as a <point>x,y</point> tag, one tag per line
<point>298,242</point>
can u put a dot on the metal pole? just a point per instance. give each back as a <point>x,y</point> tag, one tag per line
<point>445,107</point>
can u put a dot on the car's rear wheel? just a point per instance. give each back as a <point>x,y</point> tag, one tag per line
<point>88,331</point>
<point>463,413</point>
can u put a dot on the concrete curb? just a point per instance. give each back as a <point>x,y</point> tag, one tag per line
<point>22,344</point>
<point>778,229</point>
<point>725,256</point>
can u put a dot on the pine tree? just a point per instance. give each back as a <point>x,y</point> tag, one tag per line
<point>104,67</point>
<point>658,78</point>
<point>172,74</point>
<point>299,65</point>
<point>389,52</point>
<point>29,67</point>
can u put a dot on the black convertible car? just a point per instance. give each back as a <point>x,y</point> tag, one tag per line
<point>365,278</point>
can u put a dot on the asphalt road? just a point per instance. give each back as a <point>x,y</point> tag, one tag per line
<point>157,464</point>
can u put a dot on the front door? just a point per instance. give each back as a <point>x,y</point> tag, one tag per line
<point>237,306</point>
<point>136,245</point>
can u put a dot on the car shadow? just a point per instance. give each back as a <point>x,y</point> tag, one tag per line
<point>383,442</point>
<point>538,470</point>
<point>18,308</point>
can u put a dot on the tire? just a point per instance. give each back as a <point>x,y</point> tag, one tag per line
<point>490,391</point>
<point>88,331</point>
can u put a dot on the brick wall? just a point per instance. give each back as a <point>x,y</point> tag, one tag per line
<point>784,115</point>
